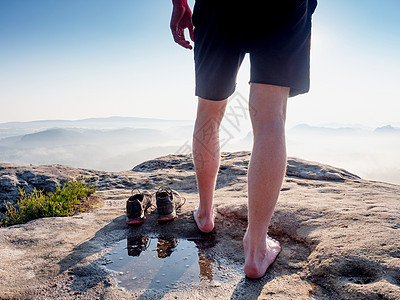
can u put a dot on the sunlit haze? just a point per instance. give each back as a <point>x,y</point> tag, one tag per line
<point>77,59</point>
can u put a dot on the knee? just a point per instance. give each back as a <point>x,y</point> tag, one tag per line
<point>208,109</point>
<point>272,125</point>
<point>268,106</point>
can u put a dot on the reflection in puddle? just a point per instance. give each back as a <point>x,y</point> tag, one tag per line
<point>137,244</point>
<point>165,263</point>
<point>165,246</point>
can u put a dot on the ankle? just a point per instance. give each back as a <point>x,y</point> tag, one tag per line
<point>205,212</point>
<point>255,235</point>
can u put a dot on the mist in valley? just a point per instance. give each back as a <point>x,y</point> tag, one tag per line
<point>117,144</point>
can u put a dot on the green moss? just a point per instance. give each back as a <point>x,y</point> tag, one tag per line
<point>65,201</point>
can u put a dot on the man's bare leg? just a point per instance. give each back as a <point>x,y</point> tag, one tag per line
<point>206,157</point>
<point>265,175</point>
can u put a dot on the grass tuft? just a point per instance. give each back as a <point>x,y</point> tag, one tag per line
<point>67,200</point>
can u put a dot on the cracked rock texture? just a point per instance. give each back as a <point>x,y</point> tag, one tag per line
<point>339,234</point>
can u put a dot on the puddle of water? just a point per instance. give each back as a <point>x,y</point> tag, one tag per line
<point>143,262</point>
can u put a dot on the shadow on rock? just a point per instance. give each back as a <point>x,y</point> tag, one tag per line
<point>88,276</point>
<point>248,289</point>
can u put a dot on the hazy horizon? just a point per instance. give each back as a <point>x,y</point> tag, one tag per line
<point>117,144</point>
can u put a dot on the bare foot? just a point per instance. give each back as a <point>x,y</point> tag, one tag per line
<point>257,261</point>
<point>206,223</point>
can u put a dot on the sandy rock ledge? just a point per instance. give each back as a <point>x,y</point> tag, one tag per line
<point>339,234</point>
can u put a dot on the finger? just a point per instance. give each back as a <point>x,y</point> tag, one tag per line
<point>179,38</point>
<point>184,43</point>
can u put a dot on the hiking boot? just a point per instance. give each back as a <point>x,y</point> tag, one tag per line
<point>168,201</point>
<point>137,206</point>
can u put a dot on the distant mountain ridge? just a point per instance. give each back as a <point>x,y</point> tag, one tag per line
<point>108,149</point>
<point>11,129</point>
<point>388,129</point>
<point>345,130</point>
<point>114,119</point>
<point>68,136</point>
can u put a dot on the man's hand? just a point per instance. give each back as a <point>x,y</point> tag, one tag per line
<point>180,20</point>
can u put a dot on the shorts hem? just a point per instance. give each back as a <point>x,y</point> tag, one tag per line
<point>215,98</point>
<point>294,91</point>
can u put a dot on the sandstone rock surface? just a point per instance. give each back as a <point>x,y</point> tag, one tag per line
<point>339,234</point>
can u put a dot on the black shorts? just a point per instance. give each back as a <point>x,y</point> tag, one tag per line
<point>276,34</point>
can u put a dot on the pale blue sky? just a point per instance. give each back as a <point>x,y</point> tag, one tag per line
<point>73,59</point>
